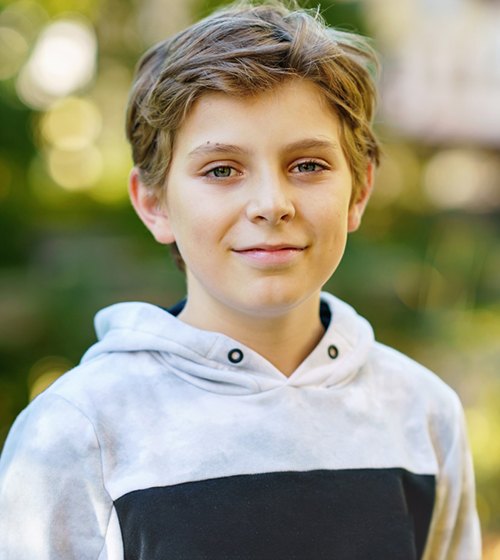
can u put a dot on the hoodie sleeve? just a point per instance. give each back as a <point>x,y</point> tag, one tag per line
<point>455,531</point>
<point>52,497</point>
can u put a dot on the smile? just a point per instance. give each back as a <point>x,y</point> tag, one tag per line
<point>271,254</point>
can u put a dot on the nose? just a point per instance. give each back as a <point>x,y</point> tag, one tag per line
<point>270,202</point>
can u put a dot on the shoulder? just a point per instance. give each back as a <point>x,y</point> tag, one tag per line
<point>78,410</point>
<point>61,409</point>
<point>51,473</point>
<point>406,390</point>
<point>403,372</point>
<point>86,381</point>
<point>50,433</point>
<point>416,395</point>
<point>96,389</point>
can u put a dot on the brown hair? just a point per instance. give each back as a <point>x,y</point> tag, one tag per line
<point>244,49</point>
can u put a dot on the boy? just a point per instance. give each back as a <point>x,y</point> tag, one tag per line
<point>258,419</point>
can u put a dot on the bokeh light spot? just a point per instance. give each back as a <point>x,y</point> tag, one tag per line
<point>71,124</point>
<point>482,426</point>
<point>26,17</point>
<point>75,170</point>
<point>459,178</point>
<point>45,372</point>
<point>112,188</point>
<point>62,62</point>
<point>13,49</point>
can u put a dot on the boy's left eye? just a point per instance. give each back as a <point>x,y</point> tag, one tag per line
<point>308,167</point>
<point>221,172</point>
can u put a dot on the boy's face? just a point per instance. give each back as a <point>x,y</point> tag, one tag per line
<point>257,199</point>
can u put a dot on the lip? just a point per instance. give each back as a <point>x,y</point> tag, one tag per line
<point>270,247</point>
<point>265,255</point>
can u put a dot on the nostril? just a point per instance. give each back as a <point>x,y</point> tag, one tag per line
<point>275,213</point>
<point>285,218</point>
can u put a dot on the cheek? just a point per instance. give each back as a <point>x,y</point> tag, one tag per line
<point>330,219</point>
<point>197,230</point>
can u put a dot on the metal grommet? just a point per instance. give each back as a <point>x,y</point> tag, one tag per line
<point>333,351</point>
<point>235,356</point>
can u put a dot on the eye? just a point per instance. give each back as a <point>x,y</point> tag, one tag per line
<point>221,172</point>
<point>310,166</point>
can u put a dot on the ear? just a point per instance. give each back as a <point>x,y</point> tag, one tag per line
<point>358,205</point>
<point>150,209</point>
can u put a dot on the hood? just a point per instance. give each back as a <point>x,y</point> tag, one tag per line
<point>218,363</point>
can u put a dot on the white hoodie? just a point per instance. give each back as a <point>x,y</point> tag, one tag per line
<point>169,442</point>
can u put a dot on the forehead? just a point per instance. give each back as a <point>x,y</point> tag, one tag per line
<point>289,111</point>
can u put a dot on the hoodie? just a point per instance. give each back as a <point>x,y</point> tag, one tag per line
<point>170,442</point>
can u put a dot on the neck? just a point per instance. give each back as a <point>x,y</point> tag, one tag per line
<point>285,340</point>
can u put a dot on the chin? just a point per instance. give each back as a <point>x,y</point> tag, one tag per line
<point>275,301</point>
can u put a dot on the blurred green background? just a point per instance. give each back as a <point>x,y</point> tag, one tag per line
<point>424,268</point>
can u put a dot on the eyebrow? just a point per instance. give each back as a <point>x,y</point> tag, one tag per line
<point>305,144</point>
<point>217,148</point>
<point>308,143</point>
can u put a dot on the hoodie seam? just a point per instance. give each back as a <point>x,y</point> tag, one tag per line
<point>99,446</point>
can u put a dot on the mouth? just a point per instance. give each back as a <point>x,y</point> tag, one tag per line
<point>271,255</point>
<point>271,248</point>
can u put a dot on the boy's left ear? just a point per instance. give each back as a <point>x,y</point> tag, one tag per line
<point>150,209</point>
<point>358,205</point>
